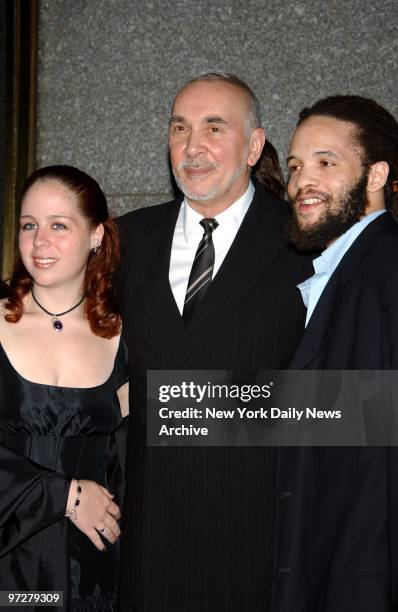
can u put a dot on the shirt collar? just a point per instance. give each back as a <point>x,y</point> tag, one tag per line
<point>331,257</point>
<point>232,216</point>
<point>327,262</point>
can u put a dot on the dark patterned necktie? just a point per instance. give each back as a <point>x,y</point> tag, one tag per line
<point>202,269</point>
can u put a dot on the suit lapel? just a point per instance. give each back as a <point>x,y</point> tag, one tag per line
<point>333,298</point>
<point>256,244</point>
<point>158,295</point>
<point>326,310</point>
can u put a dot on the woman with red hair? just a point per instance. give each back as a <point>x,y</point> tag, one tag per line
<point>61,365</point>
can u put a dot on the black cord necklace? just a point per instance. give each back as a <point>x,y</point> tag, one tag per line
<point>56,323</point>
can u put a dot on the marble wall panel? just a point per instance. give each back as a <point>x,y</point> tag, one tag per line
<point>108,71</point>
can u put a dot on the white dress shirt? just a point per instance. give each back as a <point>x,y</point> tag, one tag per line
<point>188,233</point>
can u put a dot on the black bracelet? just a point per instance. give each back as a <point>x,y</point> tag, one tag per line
<point>73,514</point>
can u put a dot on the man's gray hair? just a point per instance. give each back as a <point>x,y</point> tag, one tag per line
<point>253,106</point>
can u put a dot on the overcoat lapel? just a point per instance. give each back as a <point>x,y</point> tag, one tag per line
<point>333,298</point>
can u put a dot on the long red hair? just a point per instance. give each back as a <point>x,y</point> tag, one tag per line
<point>100,304</point>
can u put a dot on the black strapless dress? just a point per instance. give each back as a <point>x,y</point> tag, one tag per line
<point>70,431</point>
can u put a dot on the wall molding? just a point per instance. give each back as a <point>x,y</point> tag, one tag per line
<point>20,117</point>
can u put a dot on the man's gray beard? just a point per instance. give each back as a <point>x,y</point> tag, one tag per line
<point>192,195</point>
<point>330,225</point>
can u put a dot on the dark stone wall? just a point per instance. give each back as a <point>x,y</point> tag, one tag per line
<point>108,71</point>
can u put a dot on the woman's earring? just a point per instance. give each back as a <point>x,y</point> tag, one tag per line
<point>95,249</point>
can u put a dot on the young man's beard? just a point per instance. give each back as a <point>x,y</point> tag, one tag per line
<point>331,224</point>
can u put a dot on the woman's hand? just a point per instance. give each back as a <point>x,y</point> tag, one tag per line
<point>95,513</point>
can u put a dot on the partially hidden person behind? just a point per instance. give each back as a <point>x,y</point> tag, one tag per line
<point>268,171</point>
<point>61,366</point>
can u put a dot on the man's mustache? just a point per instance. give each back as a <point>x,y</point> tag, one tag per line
<point>311,193</point>
<point>194,163</point>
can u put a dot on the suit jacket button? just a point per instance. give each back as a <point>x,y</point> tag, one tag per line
<point>285,494</point>
<point>283,570</point>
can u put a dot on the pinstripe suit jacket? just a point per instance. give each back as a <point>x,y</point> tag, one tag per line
<point>198,530</point>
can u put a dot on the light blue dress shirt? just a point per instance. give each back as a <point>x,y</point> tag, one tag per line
<point>324,266</point>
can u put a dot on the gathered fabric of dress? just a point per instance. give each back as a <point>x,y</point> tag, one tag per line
<point>69,431</point>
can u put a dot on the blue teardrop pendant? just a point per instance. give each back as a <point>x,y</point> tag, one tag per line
<point>57,325</point>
